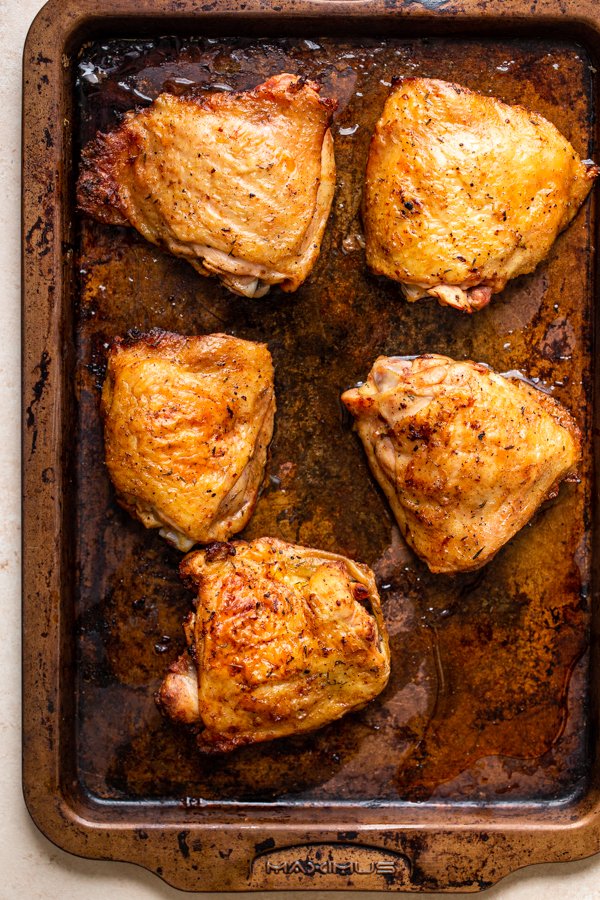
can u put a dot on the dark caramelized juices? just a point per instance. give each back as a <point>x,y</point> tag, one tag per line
<point>488,693</point>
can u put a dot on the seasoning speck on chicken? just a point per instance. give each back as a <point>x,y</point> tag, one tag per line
<point>239,184</point>
<point>284,640</point>
<point>465,456</point>
<point>463,192</point>
<point>187,424</point>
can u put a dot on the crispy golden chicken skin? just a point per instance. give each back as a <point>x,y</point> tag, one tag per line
<point>284,640</point>
<point>464,456</point>
<point>239,184</point>
<point>187,424</point>
<point>463,192</point>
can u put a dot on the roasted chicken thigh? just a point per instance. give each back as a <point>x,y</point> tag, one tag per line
<point>464,456</point>
<point>463,192</point>
<point>284,640</point>
<point>239,184</point>
<point>187,424</point>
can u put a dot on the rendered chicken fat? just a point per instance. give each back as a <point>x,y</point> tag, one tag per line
<point>463,192</point>
<point>284,640</point>
<point>187,424</point>
<point>239,184</point>
<point>464,456</point>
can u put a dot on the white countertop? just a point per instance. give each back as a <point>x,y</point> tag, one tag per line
<point>30,866</point>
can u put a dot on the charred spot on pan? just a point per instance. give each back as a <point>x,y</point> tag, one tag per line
<point>43,367</point>
<point>265,845</point>
<point>183,844</point>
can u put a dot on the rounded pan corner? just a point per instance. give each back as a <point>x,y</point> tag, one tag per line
<point>60,825</point>
<point>54,18</point>
<point>55,820</point>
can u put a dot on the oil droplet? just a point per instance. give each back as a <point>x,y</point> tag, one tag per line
<point>352,243</point>
<point>163,645</point>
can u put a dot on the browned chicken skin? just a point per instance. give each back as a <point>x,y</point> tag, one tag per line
<point>463,192</point>
<point>239,184</point>
<point>187,424</point>
<point>464,456</point>
<point>284,640</point>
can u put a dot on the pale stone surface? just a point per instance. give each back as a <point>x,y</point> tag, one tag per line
<point>29,865</point>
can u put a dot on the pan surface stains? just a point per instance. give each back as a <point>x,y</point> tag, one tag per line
<point>486,701</point>
<point>43,367</point>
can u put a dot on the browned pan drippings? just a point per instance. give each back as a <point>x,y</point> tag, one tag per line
<point>487,698</point>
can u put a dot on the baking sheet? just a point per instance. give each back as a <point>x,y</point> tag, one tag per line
<point>487,702</point>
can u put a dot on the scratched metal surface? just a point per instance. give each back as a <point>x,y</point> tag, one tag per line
<point>487,698</point>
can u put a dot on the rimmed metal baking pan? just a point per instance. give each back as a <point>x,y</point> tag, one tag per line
<point>481,755</point>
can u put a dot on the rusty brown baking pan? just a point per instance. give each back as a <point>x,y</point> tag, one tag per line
<point>482,754</point>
